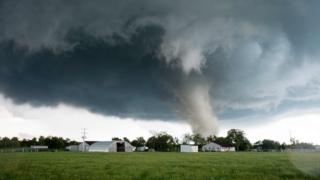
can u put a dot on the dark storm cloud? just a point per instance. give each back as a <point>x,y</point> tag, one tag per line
<point>128,58</point>
<point>126,79</point>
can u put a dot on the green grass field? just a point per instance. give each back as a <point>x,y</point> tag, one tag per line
<point>249,165</point>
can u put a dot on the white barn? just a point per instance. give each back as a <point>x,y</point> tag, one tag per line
<point>111,146</point>
<point>188,148</point>
<point>211,147</point>
<point>84,146</point>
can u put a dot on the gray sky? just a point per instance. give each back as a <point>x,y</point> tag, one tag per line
<point>201,63</point>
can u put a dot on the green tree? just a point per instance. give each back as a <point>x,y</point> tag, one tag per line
<point>41,140</point>
<point>270,144</point>
<point>116,139</point>
<point>211,138</point>
<point>5,142</point>
<point>161,142</point>
<point>236,137</point>
<point>222,140</point>
<point>14,142</point>
<point>139,142</point>
<point>126,139</point>
<point>187,138</point>
<point>199,140</point>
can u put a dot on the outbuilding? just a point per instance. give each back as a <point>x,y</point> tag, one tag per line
<point>37,148</point>
<point>141,148</point>
<point>84,146</point>
<point>212,147</point>
<point>111,146</point>
<point>188,148</point>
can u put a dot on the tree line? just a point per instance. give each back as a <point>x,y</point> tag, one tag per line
<point>52,142</point>
<point>164,142</point>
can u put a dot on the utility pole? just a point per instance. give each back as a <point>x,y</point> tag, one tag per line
<point>83,139</point>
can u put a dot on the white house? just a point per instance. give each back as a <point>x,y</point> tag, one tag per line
<point>188,148</point>
<point>217,147</point>
<point>111,146</point>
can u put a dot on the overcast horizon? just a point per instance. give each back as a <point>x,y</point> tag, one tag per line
<point>128,68</point>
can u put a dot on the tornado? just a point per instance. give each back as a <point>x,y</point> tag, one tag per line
<point>196,107</point>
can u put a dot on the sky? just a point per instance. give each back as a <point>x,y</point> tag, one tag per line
<point>128,68</point>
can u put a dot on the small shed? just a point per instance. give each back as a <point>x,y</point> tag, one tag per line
<point>142,148</point>
<point>188,148</point>
<point>111,146</point>
<point>212,147</point>
<point>37,148</point>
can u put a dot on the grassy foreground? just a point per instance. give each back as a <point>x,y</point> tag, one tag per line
<point>67,165</point>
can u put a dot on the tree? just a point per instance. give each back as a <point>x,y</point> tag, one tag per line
<point>161,142</point>
<point>187,138</point>
<point>33,141</point>
<point>138,142</point>
<point>141,141</point>
<point>258,145</point>
<point>221,140</point>
<point>14,142</point>
<point>199,140</point>
<point>152,143</point>
<point>41,140</point>
<point>270,144</point>
<point>245,145</point>
<point>283,146</point>
<point>5,142</point>
<point>51,141</point>
<point>211,138</point>
<point>267,144</point>
<point>24,143</point>
<point>116,139</point>
<point>236,138</point>
<point>126,139</point>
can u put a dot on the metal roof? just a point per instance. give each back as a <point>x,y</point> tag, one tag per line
<point>101,145</point>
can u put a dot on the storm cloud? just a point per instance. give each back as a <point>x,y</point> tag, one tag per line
<point>167,60</point>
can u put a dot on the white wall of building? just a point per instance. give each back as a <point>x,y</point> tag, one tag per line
<point>109,146</point>
<point>84,146</point>
<point>188,148</point>
<point>216,147</point>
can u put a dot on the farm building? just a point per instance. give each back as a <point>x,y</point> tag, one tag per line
<point>84,146</point>
<point>142,148</point>
<point>111,146</point>
<point>37,148</point>
<point>217,147</point>
<point>188,148</point>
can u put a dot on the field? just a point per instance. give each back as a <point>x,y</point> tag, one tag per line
<point>249,165</point>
